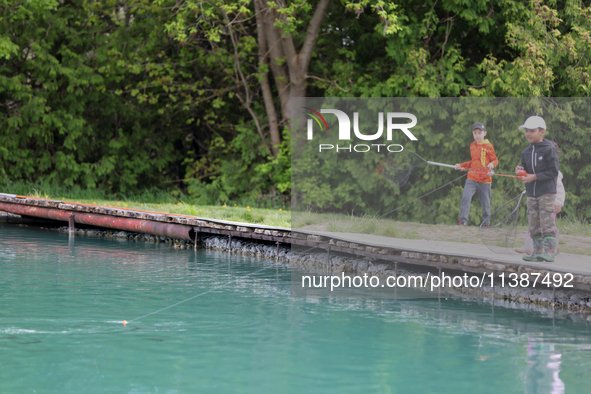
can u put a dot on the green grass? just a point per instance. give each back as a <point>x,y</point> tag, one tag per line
<point>364,225</point>
<point>574,226</point>
<point>248,214</point>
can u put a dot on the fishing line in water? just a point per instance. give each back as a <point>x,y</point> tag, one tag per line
<point>190,298</point>
<point>115,330</point>
<point>424,195</point>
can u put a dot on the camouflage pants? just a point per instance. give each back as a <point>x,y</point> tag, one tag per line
<point>540,213</point>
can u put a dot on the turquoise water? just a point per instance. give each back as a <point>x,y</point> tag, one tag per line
<point>62,303</point>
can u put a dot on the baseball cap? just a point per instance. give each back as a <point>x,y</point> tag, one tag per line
<point>479,126</point>
<point>533,122</point>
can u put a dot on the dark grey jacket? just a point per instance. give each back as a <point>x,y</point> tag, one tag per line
<point>541,159</point>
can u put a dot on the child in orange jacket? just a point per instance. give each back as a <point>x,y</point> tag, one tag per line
<point>483,161</point>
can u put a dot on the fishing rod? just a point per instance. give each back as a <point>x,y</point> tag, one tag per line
<point>398,168</point>
<point>434,163</point>
<point>522,174</point>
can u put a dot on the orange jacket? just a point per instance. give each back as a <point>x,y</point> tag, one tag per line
<point>482,154</point>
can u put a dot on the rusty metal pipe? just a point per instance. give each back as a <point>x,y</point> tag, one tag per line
<point>39,212</point>
<point>171,230</point>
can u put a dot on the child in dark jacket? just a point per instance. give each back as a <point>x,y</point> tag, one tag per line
<point>528,244</point>
<point>540,161</point>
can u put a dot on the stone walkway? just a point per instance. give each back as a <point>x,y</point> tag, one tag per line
<point>571,263</point>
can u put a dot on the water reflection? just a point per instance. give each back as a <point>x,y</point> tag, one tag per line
<point>543,372</point>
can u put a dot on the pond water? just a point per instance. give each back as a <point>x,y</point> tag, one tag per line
<point>62,303</point>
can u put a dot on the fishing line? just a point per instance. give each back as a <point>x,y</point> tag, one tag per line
<point>195,296</point>
<point>424,195</point>
<point>306,251</point>
<point>488,172</point>
<point>500,231</point>
<point>398,167</point>
<point>114,330</point>
<point>511,200</point>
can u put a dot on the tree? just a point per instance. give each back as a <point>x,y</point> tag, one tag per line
<point>283,45</point>
<point>17,12</point>
<point>97,95</point>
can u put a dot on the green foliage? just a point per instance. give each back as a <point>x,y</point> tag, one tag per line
<point>553,57</point>
<point>68,115</point>
<point>240,170</point>
<point>19,12</point>
<point>46,189</point>
<point>98,96</point>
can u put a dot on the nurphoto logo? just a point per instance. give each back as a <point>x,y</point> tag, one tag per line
<point>392,123</point>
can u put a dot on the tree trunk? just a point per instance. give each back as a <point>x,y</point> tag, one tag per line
<point>265,85</point>
<point>289,67</point>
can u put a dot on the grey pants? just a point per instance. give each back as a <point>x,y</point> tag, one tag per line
<point>470,189</point>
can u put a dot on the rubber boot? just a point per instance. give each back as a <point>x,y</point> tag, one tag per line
<point>537,250</point>
<point>548,250</point>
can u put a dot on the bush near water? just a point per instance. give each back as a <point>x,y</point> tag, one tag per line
<point>124,96</point>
